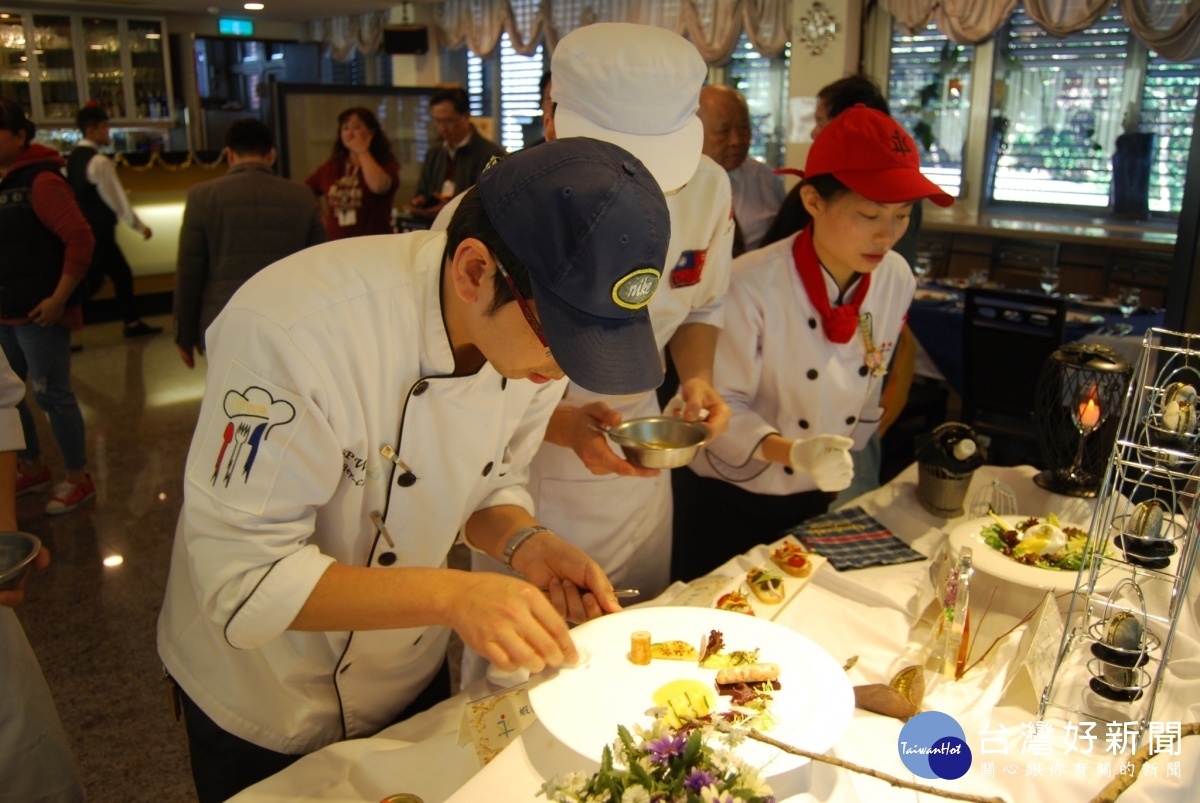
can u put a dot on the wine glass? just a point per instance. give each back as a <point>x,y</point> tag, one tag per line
<point>1129,300</point>
<point>1049,280</point>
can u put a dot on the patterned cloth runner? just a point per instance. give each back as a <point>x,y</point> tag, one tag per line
<point>852,539</point>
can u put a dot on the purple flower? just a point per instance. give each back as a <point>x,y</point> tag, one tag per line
<point>698,779</point>
<point>662,750</point>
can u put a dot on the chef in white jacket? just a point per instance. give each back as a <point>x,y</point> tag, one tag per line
<point>367,402</point>
<point>639,87</point>
<point>811,322</point>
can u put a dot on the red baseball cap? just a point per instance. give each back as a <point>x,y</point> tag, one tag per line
<point>874,156</point>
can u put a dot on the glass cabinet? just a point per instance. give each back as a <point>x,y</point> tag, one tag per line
<point>54,63</point>
<point>54,66</point>
<point>104,77</point>
<point>14,61</point>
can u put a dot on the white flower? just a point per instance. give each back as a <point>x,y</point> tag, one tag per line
<point>567,788</point>
<point>636,794</point>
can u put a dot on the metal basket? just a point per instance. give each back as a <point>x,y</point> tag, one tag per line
<point>941,491</point>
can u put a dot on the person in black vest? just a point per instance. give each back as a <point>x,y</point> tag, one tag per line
<point>93,176</point>
<point>47,246</point>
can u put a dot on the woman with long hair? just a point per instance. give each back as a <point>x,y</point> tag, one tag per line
<point>360,178</point>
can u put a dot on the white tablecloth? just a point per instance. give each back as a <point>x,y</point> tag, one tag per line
<point>870,613</point>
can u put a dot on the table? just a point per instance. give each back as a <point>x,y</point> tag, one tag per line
<point>869,613</point>
<point>938,329</point>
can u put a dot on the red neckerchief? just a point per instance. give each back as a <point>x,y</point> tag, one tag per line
<point>839,324</point>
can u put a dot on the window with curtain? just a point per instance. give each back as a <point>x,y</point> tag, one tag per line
<point>764,83</point>
<point>1063,100</point>
<point>929,92</point>
<point>518,115</point>
<point>1167,109</point>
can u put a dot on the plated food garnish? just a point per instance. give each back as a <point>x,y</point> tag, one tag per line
<point>674,650</point>
<point>1045,543</point>
<point>792,559</point>
<point>765,585</point>
<point>739,676</point>
<point>735,601</point>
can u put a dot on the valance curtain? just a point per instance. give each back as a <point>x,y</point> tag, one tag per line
<point>1169,27</point>
<point>341,36</point>
<point>712,25</point>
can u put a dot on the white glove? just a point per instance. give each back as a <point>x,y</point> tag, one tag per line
<point>825,458</point>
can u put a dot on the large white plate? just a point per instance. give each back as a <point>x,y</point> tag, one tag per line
<point>583,705</point>
<point>997,564</point>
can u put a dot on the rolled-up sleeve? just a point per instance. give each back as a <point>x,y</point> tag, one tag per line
<point>263,461</point>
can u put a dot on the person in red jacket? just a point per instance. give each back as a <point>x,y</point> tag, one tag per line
<point>47,246</point>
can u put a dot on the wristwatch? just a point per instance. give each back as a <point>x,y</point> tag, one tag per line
<point>518,538</point>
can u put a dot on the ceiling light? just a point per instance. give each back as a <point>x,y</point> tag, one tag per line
<point>113,560</point>
<point>254,6</point>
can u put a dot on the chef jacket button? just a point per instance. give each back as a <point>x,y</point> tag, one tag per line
<point>812,373</point>
<point>812,323</point>
<point>406,479</point>
<point>803,423</point>
<point>789,470</point>
<point>420,387</point>
<point>850,419</point>
<point>862,370</point>
<point>503,382</point>
<point>487,469</point>
<point>387,558</point>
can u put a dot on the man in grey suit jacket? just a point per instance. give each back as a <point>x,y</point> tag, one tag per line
<point>233,227</point>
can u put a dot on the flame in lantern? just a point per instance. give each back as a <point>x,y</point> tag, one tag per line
<point>1089,413</point>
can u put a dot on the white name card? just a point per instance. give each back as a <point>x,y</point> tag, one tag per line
<point>1032,666</point>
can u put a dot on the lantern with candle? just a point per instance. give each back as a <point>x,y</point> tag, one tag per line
<point>1076,410</point>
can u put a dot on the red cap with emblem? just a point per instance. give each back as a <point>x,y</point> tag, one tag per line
<point>874,156</point>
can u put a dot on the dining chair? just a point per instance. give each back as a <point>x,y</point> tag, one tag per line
<point>1007,336</point>
<point>1018,264</point>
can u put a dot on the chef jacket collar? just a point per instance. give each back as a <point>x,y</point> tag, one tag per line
<point>437,354</point>
<point>837,297</point>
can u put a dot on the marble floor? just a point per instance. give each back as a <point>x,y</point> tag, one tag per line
<point>92,624</point>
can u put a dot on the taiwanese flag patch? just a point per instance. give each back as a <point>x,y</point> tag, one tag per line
<point>688,269</point>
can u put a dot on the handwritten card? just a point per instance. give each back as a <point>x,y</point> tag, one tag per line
<point>492,723</point>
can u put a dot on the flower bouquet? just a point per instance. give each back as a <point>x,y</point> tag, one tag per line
<point>665,764</point>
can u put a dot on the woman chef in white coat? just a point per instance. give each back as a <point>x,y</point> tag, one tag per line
<point>810,325</point>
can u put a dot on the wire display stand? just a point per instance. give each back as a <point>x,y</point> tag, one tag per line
<point>1142,546</point>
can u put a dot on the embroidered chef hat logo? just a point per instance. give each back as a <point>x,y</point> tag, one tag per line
<point>591,225</point>
<point>635,290</point>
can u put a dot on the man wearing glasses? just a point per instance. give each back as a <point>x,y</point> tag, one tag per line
<point>456,163</point>
<point>368,402</point>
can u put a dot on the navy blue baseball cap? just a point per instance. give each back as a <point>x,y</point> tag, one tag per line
<point>591,225</point>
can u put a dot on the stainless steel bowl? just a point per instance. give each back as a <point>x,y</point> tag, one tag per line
<point>17,551</point>
<point>668,442</point>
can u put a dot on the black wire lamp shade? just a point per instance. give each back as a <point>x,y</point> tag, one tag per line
<point>1077,411</point>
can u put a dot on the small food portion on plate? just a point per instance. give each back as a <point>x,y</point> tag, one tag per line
<point>714,656</point>
<point>685,700</point>
<point>1044,543</point>
<point>736,602</point>
<point>765,585</point>
<point>674,650</point>
<point>792,559</point>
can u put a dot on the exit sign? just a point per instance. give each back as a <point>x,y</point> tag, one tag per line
<point>232,27</point>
